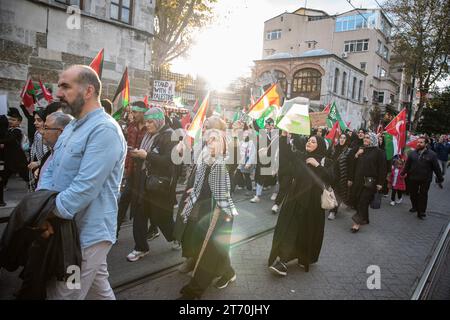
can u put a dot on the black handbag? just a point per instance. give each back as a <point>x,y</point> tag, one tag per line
<point>376,201</point>
<point>154,183</point>
<point>369,182</point>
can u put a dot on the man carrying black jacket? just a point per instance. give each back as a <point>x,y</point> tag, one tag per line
<point>419,168</point>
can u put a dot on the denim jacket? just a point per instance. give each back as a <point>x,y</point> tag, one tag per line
<point>87,168</point>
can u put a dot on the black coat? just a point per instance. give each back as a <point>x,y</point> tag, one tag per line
<point>15,158</point>
<point>300,226</point>
<point>421,168</point>
<point>159,163</point>
<point>42,259</point>
<point>372,163</point>
<point>285,153</point>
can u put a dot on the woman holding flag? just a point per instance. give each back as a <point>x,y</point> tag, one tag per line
<point>208,213</point>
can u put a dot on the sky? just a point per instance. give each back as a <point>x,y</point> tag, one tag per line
<point>226,49</point>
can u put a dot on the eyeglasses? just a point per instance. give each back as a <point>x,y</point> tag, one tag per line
<point>51,129</point>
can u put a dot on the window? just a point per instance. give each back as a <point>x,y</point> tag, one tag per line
<point>354,88</point>
<point>383,73</point>
<point>378,96</point>
<point>275,76</point>
<point>360,90</point>
<point>354,22</point>
<point>121,10</point>
<point>363,66</point>
<point>281,19</point>
<point>385,52</point>
<point>344,81</point>
<point>273,35</point>
<point>379,45</point>
<point>78,3</point>
<point>377,73</point>
<point>336,80</point>
<point>356,45</point>
<point>307,83</point>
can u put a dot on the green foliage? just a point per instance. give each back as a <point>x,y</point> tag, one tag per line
<point>176,21</point>
<point>436,116</point>
<point>422,41</point>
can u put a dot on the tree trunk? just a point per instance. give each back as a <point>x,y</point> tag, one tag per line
<point>418,113</point>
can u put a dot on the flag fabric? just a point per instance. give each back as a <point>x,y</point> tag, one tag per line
<point>269,98</point>
<point>97,63</point>
<point>380,128</point>
<point>334,134</point>
<point>28,95</point>
<point>327,108</point>
<point>124,90</point>
<point>295,117</point>
<point>196,125</point>
<point>390,146</point>
<point>146,101</point>
<point>195,107</point>
<point>333,116</point>
<point>397,129</point>
<point>268,113</point>
<point>185,120</point>
<point>47,95</point>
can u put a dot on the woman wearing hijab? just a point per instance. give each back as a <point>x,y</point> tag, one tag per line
<point>367,177</point>
<point>341,164</point>
<point>300,226</point>
<point>156,183</point>
<point>208,213</point>
<point>38,148</point>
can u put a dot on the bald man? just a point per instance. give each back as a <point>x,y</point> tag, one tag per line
<point>86,169</point>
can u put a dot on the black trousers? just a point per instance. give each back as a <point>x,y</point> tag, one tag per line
<point>362,207</point>
<point>23,173</point>
<point>398,192</point>
<point>418,192</point>
<point>285,183</point>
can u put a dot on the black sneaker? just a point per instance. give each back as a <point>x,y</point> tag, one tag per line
<point>223,282</point>
<point>279,268</point>
<point>421,216</point>
<point>413,210</point>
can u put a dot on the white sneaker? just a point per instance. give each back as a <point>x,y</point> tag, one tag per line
<point>136,255</point>
<point>331,216</point>
<point>275,209</point>
<point>399,200</point>
<point>274,196</point>
<point>392,203</point>
<point>255,199</point>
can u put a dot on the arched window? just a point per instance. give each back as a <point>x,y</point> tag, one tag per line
<point>269,77</point>
<point>307,83</point>
<point>344,82</point>
<point>336,80</point>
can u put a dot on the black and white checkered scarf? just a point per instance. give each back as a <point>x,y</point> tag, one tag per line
<point>219,183</point>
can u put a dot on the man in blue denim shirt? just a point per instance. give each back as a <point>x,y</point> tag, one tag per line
<point>87,169</point>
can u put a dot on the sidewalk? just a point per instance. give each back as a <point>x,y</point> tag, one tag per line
<point>396,241</point>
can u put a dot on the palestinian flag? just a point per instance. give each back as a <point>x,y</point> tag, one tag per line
<point>195,128</point>
<point>47,95</point>
<point>268,113</point>
<point>124,90</point>
<point>395,136</point>
<point>327,108</point>
<point>28,95</point>
<point>185,120</point>
<point>333,135</point>
<point>97,63</point>
<point>269,98</point>
<point>333,116</point>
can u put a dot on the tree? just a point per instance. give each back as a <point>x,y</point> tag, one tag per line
<point>176,21</point>
<point>422,42</point>
<point>436,115</point>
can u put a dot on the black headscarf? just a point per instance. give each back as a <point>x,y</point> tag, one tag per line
<point>320,151</point>
<point>41,113</point>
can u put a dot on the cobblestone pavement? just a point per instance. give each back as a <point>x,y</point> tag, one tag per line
<point>395,241</point>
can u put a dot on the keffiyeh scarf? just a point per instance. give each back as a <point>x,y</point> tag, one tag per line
<point>219,183</point>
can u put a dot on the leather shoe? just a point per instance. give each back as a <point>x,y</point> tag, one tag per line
<point>413,210</point>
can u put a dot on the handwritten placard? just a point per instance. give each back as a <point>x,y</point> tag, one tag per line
<point>318,119</point>
<point>163,90</point>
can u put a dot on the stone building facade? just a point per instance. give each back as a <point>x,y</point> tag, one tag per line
<point>312,75</point>
<point>39,38</point>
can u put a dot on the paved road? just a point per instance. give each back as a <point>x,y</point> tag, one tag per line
<point>395,241</point>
